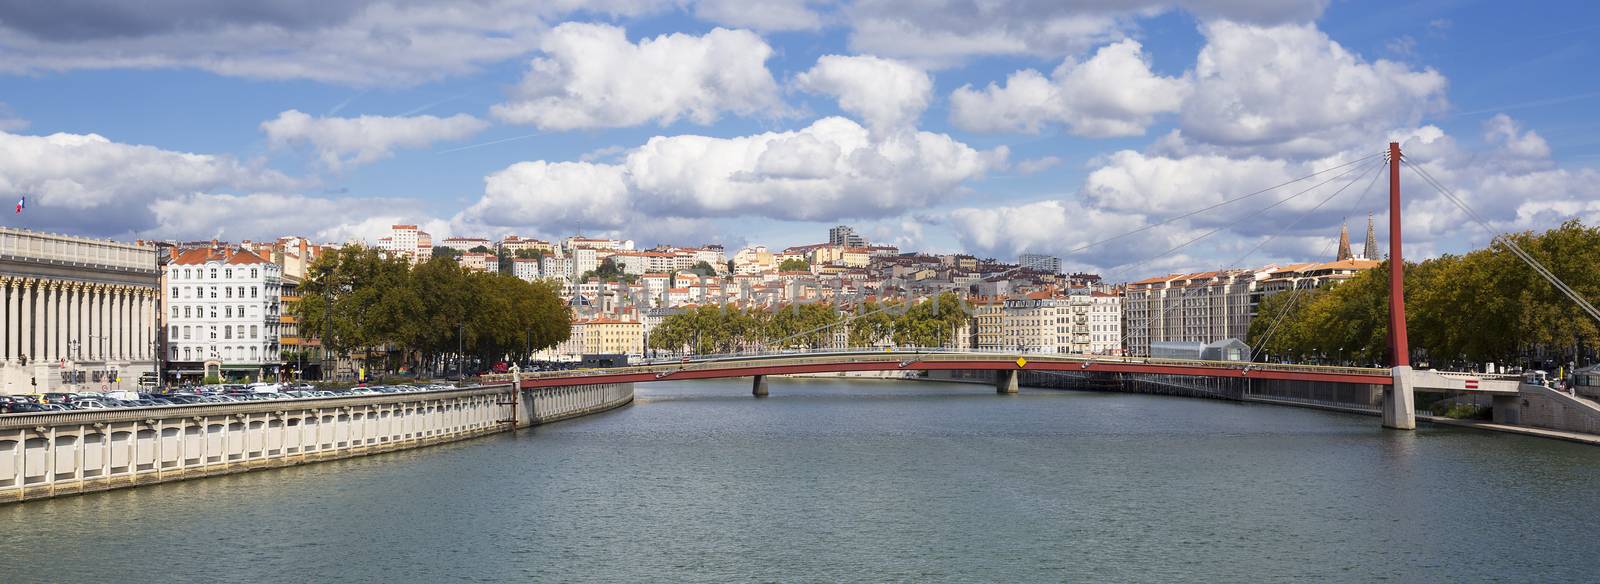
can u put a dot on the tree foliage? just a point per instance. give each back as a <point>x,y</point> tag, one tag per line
<point>1484,306</point>
<point>794,265</point>
<point>360,302</point>
<point>726,329</point>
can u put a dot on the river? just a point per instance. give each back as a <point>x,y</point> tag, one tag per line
<point>870,481</point>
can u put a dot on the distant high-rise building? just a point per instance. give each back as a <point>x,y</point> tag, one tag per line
<point>1370,250</point>
<point>409,242</point>
<point>1040,262</point>
<point>1344,244</point>
<point>843,235</point>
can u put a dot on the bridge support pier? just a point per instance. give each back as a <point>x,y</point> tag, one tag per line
<point>758,386</point>
<point>1399,401</point>
<point>1005,381</point>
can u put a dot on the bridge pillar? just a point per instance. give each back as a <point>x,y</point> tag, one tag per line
<point>1005,381</point>
<point>758,386</point>
<point>1399,401</point>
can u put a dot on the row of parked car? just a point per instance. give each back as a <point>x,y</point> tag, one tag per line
<point>210,394</point>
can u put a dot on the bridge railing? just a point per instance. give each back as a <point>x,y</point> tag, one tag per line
<point>829,356</point>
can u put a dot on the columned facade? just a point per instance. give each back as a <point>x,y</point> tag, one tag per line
<point>77,313</point>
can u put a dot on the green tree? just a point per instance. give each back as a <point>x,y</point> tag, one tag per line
<point>794,265</point>
<point>529,254</point>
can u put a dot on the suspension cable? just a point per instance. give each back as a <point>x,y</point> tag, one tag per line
<point>1183,296</point>
<point>1295,294</point>
<point>1510,244</point>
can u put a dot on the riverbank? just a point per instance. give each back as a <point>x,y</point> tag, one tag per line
<point>53,454</point>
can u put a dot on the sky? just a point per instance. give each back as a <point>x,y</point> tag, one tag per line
<point>1089,129</point>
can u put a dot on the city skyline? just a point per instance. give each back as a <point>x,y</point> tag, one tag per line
<point>689,124</point>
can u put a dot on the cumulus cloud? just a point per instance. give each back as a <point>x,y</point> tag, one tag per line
<point>834,168</point>
<point>1513,184</point>
<point>1290,88</point>
<point>85,183</point>
<point>1114,93</point>
<point>592,77</point>
<point>266,215</point>
<point>353,42</point>
<point>343,142</point>
<point>884,93</point>
<point>772,15</point>
<point>89,185</point>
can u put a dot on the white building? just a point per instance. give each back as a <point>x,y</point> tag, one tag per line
<point>526,269</point>
<point>554,267</point>
<point>80,314</point>
<point>465,244</point>
<point>222,314</point>
<point>1040,262</point>
<point>408,241</point>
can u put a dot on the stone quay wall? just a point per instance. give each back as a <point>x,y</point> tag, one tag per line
<point>63,453</point>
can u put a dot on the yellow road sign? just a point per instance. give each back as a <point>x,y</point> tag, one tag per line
<point>1021,362</point>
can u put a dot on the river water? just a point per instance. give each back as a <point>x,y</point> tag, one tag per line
<point>869,481</point>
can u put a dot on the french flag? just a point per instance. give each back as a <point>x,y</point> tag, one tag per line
<point>22,202</point>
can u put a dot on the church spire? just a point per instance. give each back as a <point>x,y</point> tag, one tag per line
<point>1344,243</point>
<point>1370,250</point>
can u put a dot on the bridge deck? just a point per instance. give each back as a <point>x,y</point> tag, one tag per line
<point>788,364</point>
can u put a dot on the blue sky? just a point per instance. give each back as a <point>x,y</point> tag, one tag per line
<point>1499,100</point>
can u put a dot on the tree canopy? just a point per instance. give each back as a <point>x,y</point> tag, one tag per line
<point>1484,306</point>
<point>357,300</point>
<point>794,265</point>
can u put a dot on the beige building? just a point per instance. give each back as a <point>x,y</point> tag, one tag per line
<point>605,335</point>
<point>988,323</point>
<point>79,313</point>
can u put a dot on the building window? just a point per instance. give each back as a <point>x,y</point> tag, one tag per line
<point>241,311</point>
<point>241,330</point>
<point>213,273</point>
<point>227,332</point>
<point>174,312</point>
<point>213,291</point>
<point>213,336</point>
<point>174,291</point>
<point>252,272</point>
<point>253,331</point>
<point>253,354</point>
<point>185,354</point>
<point>252,291</point>
<point>185,333</point>
<point>185,311</point>
<point>213,312</point>
<point>227,292</point>
<point>227,311</point>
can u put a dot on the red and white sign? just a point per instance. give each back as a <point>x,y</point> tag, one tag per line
<point>1472,384</point>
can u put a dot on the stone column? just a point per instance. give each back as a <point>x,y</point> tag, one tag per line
<point>6,319</point>
<point>49,289</point>
<point>1006,381</point>
<point>97,298</point>
<point>119,323</point>
<point>36,320</point>
<point>17,334</point>
<point>71,334</point>
<point>79,318</point>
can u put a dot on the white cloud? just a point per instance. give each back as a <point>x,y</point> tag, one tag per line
<point>1114,93</point>
<point>576,195</point>
<point>835,168</point>
<point>771,15</point>
<point>943,32</point>
<point>1290,88</point>
<point>85,183</point>
<point>266,215</point>
<point>1514,185</point>
<point>592,77</point>
<point>1036,165</point>
<point>1502,129</point>
<point>354,42</point>
<point>886,94</point>
<point>342,142</point>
